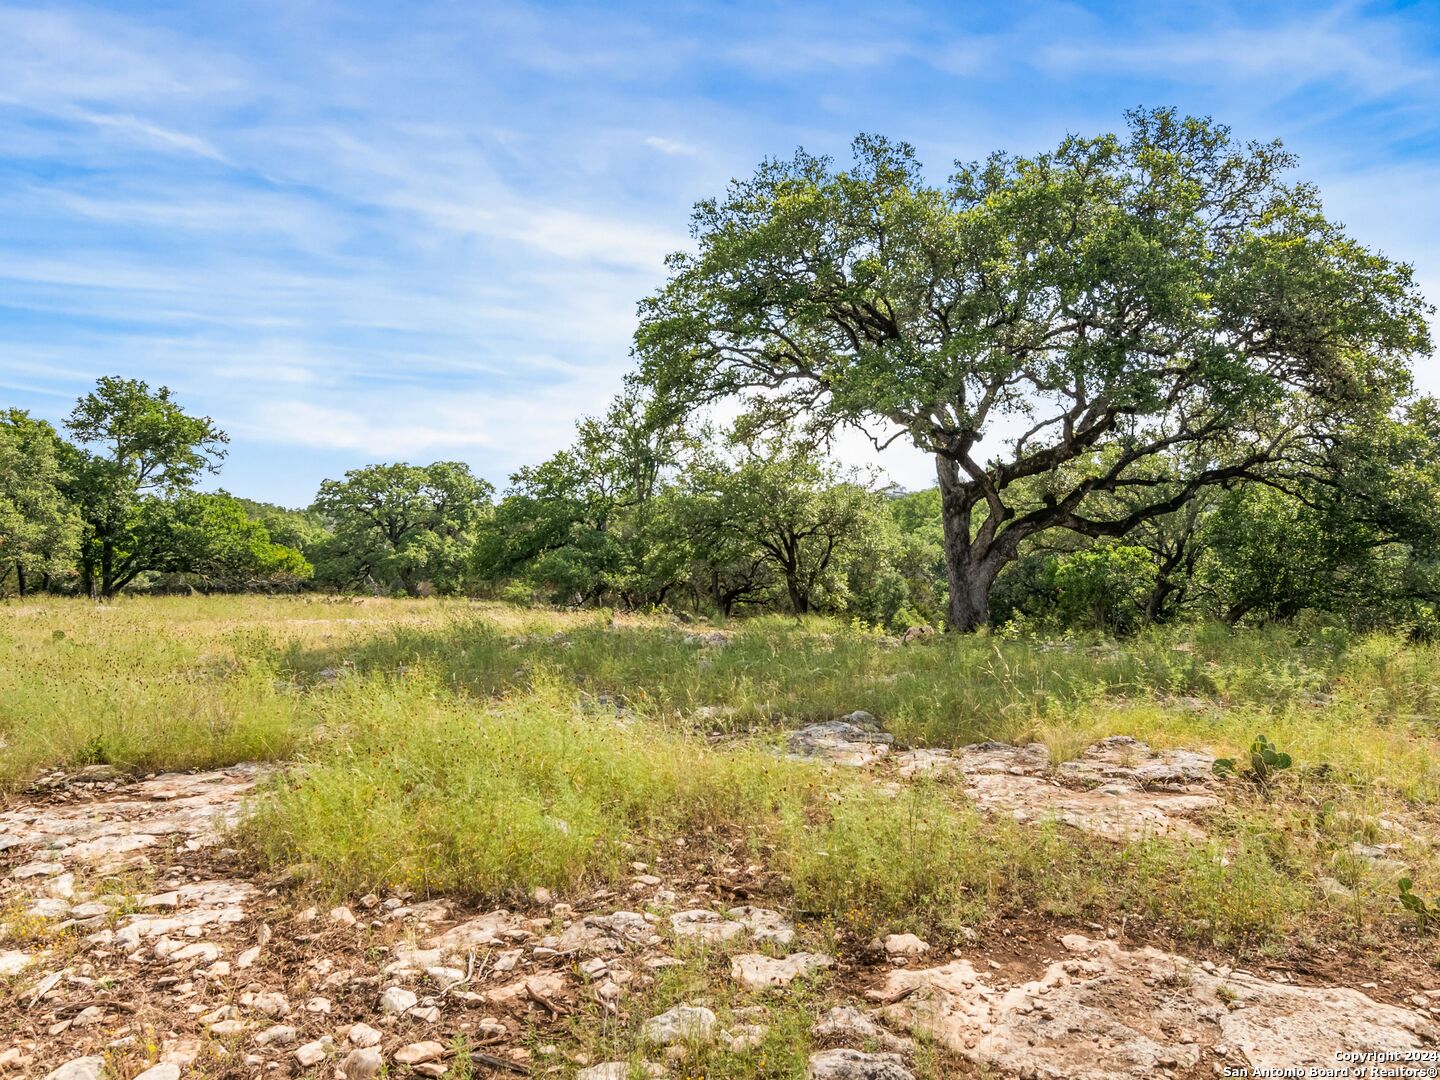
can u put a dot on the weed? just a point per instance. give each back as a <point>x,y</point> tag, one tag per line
<point>1425,912</point>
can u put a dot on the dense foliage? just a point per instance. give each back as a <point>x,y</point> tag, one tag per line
<point>1157,382</point>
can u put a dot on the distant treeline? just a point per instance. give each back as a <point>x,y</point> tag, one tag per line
<point>639,514</point>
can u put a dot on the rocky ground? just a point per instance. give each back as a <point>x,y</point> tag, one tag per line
<point>139,945</point>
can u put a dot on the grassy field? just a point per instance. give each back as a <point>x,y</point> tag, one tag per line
<point>482,750</point>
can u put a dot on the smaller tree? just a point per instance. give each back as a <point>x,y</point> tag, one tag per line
<point>594,522</point>
<point>134,443</point>
<point>214,544</point>
<point>39,528</point>
<point>399,526</point>
<point>1106,586</point>
<point>782,500</point>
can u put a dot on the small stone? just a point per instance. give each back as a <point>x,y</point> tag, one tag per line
<point>81,1068</point>
<point>248,957</point>
<point>744,1037</point>
<point>343,916</point>
<point>757,972</point>
<point>279,1035</point>
<point>183,1051</point>
<point>507,960</point>
<point>271,1004</point>
<point>416,1053</point>
<point>312,1053</point>
<point>318,1005</point>
<point>166,1071</point>
<point>684,1023</point>
<point>907,945</point>
<point>396,1000</point>
<point>88,1017</point>
<point>855,1065</point>
<point>362,1064</point>
<point>363,1035</point>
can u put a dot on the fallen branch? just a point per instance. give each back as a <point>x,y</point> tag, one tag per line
<point>499,1063</point>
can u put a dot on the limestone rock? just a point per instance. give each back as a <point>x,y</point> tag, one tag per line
<point>842,742</point>
<point>418,1053</point>
<point>363,1035</point>
<point>312,1053</point>
<point>856,1065</point>
<point>684,1023</point>
<point>845,1023</point>
<point>396,1000</point>
<point>907,945</point>
<point>755,971</point>
<point>764,925</point>
<point>606,933</point>
<point>708,926</point>
<point>279,1035</point>
<point>81,1068</point>
<point>165,1071</point>
<point>362,1064</point>
<point>1110,1012</point>
<point>271,1004</point>
<point>485,930</point>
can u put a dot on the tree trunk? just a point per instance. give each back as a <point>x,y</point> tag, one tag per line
<point>969,571</point>
<point>20,578</point>
<point>107,569</point>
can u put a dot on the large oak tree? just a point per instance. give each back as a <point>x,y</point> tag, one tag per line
<point>1163,301</point>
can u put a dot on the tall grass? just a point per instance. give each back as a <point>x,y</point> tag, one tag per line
<point>416,789</point>
<point>124,685</point>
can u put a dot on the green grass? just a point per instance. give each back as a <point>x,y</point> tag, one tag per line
<point>482,750</point>
<point>418,790</point>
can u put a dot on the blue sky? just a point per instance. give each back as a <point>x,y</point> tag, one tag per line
<point>377,231</point>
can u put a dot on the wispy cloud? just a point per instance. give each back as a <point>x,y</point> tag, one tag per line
<point>670,146</point>
<point>151,134</point>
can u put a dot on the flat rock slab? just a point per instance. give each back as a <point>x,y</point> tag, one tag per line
<point>494,928</point>
<point>1108,1012</point>
<point>755,971</point>
<point>855,741</point>
<point>1115,810</point>
<point>762,924</point>
<point>1119,788</point>
<point>115,830</point>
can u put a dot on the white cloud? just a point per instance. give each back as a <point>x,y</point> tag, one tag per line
<point>672,147</point>
<point>53,56</point>
<point>152,134</point>
<point>1372,57</point>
